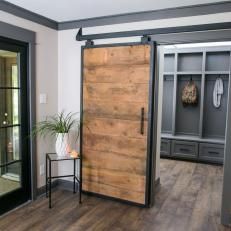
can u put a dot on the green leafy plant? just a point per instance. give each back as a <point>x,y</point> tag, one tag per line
<point>59,123</point>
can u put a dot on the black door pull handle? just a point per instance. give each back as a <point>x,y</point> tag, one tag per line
<point>142,121</point>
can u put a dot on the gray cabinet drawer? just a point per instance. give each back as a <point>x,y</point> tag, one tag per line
<point>211,152</point>
<point>184,149</point>
<point>165,147</point>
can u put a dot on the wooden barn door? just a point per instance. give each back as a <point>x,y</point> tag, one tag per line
<point>115,108</point>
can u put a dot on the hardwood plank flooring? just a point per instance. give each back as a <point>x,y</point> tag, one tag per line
<point>189,199</point>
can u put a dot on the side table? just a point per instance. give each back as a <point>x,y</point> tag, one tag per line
<point>53,157</point>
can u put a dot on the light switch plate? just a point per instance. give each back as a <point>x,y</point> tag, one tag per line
<point>42,169</point>
<point>43,98</point>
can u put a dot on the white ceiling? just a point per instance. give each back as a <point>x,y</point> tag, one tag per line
<point>65,10</point>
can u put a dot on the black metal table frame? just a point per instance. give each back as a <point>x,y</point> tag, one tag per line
<point>49,178</point>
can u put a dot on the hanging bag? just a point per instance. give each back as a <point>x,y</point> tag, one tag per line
<point>190,94</point>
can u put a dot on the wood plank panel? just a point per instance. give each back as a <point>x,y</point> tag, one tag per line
<point>124,74</point>
<point>108,190</point>
<point>139,54</point>
<point>112,109</point>
<point>116,91</point>
<point>113,161</point>
<point>118,179</point>
<point>127,146</point>
<point>115,127</point>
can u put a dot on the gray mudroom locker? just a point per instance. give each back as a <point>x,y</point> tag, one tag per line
<point>195,93</point>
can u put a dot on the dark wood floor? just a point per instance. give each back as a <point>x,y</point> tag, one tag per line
<point>189,198</point>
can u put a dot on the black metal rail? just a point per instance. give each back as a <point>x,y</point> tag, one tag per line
<point>158,31</point>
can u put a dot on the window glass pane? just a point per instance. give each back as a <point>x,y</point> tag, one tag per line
<point>9,144</point>
<point>14,74</point>
<point>9,107</point>
<point>10,163</point>
<point>8,69</point>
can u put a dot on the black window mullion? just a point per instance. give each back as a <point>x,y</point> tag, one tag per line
<point>10,126</point>
<point>10,88</point>
<point>10,163</point>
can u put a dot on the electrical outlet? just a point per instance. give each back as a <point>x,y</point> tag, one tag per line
<point>42,169</point>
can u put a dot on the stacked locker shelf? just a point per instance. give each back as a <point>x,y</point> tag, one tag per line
<point>194,132</point>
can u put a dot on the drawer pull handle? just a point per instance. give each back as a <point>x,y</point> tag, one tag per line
<point>142,121</point>
<point>184,150</point>
<point>213,153</point>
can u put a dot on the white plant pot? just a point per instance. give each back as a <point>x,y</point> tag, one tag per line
<point>61,144</point>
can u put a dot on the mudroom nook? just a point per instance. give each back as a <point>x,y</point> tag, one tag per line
<point>195,130</point>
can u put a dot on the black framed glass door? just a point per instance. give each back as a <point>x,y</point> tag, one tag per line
<point>14,158</point>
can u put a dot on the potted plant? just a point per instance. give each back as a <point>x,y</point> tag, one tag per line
<point>59,125</point>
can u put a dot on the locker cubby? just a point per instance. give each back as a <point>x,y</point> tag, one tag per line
<point>189,62</point>
<point>169,62</point>
<point>202,125</point>
<point>214,119</point>
<point>167,108</point>
<point>218,61</point>
<point>187,117</point>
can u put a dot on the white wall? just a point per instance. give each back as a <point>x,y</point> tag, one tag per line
<point>46,76</point>
<point>70,58</point>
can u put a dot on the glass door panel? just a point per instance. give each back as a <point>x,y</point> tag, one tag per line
<point>10,125</point>
<point>15,172</point>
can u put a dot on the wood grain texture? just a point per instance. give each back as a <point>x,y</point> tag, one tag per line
<point>115,127</point>
<point>121,55</point>
<point>108,109</point>
<point>125,74</point>
<point>119,180</point>
<point>115,192</point>
<point>130,147</point>
<point>116,92</point>
<point>115,88</point>
<point>189,198</point>
<point>113,161</point>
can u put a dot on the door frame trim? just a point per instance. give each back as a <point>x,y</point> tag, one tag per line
<point>152,122</point>
<point>152,128</point>
<point>19,34</point>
